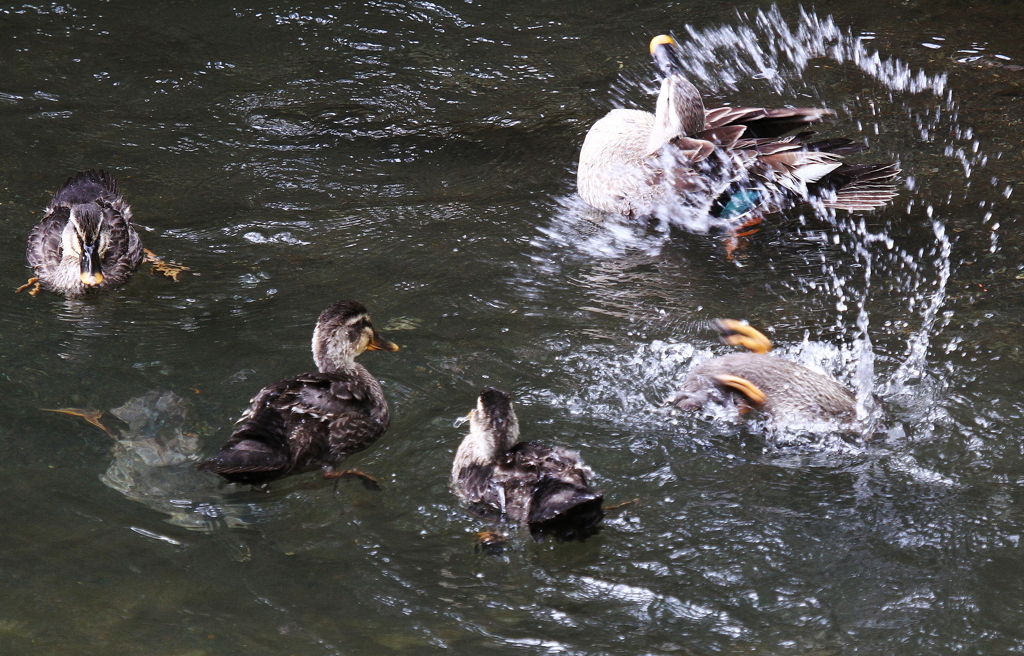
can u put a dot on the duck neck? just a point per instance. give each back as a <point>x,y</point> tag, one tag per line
<point>680,112</point>
<point>331,353</point>
<point>484,445</point>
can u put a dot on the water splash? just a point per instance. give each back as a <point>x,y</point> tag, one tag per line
<point>767,48</point>
<point>773,58</point>
<point>879,280</point>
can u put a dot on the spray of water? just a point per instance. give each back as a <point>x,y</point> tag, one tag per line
<point>884,274</point>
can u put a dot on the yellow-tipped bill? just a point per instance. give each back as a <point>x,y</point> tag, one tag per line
<point>378,343</point>
<point>461,420</point>
<point>735,333</point>
<point>661,40</point>
<point>90,278</point>
<point>90,265</point>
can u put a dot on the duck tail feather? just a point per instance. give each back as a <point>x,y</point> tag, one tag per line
<point>566,511</point>
<point>245,455</point>
<point>107,181</point>
<point>768,123</point>
<point>85,187</point>
<point>859,187</point>
<point>850,174</point>
<point>837,146</point>
<point>861,197</point>
<point>557,498</point>
<point>259,444</point>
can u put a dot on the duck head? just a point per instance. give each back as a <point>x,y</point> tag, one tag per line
<point>680,110</point>
<point>342,332</point>
<point>86,239</point>
<point>493,427</point>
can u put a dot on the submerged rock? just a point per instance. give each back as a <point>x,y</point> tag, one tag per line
<point>154,464</point>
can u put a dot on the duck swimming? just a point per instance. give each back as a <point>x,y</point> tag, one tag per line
<point>784,390</point>
<point>86,241</point>
<point>729,163</point>
<point>544,488</point>
<point>313,420</point>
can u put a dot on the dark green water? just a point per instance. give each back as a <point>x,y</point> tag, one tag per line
<point>421,158</point>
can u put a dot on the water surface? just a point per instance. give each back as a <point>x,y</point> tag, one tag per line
<point>420,157</point>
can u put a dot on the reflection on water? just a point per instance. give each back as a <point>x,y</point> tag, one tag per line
<point>421,155</point>
<point>154,464</point>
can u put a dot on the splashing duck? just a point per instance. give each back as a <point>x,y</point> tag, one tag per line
<point>86,241</point>
<point>784,390</point>
<point>729,163</point>
<point>544,488</point>
<point>314,420</point>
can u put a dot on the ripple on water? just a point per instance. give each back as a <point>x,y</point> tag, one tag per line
<point>368,171</point>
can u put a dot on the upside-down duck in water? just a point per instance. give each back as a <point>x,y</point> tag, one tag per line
<point>316,420</point>
<point>544,488</point>
<point>784,390</point>
<point>730,163</point>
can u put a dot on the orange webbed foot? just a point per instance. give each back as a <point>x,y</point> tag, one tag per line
<point>620,505</point>
<point>35,289</point>
<point>91,416</point>
<point>735,333</point>
<point>170,269</point>
<point>736,239</point>
<point>490,542</point>
<point>369,482</point>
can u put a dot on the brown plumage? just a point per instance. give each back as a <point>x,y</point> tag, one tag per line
<point>789,392</point>
<point>86,241</point>
<point>314,420</point>
<point>727,162</point>
<point>793,392</point>
<point>544,488</point>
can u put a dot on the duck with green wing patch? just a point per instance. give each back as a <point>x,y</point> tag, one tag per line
<point>728,165</point>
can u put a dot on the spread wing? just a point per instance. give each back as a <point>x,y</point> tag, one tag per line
<point>762,122</point>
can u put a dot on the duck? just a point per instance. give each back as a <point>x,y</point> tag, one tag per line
<point>314,420</point>
<point>86,241</point>
<point>785,391</point>
<point>544,488</point>
<point>732,164</point>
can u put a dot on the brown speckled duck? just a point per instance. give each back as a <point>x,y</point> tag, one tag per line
<point>316,420</point>
<point>786,391</point>
<point>86,241</point>
<point>732,163</point>
<point>544,488</point>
